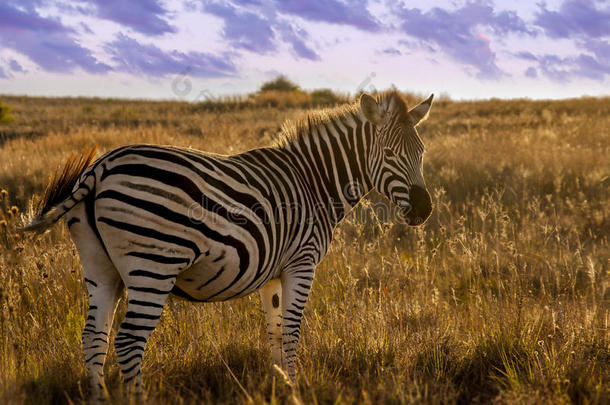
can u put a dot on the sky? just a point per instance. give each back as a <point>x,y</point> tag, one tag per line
<point>198,49</point>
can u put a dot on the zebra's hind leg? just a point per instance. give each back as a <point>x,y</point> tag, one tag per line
<point>147,291</point>
<point>105,288</point>
<point>271,297</point>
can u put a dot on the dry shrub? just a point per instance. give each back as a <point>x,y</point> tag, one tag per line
<point>282,99</point>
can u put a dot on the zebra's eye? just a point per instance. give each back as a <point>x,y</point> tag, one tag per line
<point>388,153</point>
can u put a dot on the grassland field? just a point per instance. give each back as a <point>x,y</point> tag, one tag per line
<point>503,296</point>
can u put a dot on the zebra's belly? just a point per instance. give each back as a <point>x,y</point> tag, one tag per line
<point>214,279</point>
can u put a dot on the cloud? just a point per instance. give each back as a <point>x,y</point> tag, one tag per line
<point>584,24</point>
<point>574,17</point>
<point>135,58</point>
<point>531,72</point>
<point>599,47</point>
<point>86,28</point>
<point>590,67</point>
<point>294,36</point>
<point>354,14</point>
<point>508,21</point>
<point>3,75</point>
<point>456,32</point>
<point>565,69</point>
<point>15,66</point>
<point>46,41</point>
<point>144,16</point>
<point>527,56</point>
<point>556,68</point>
<point>391,51</point>
<point>244,29</point>
<point>256,27</point>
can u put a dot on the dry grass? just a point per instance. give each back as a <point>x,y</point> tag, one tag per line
<point>503,296</point>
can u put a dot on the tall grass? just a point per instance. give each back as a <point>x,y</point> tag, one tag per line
<point>503,296</point>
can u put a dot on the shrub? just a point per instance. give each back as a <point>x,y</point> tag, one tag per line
<point>325,97</point>
<point>282,99</point>
<point>5,113</point>
<point>124,115</point>
<point>280,83</point>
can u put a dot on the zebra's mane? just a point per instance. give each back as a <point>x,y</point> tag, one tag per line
<point>293,130</point>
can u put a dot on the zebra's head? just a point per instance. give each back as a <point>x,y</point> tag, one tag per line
<point>396,153</point>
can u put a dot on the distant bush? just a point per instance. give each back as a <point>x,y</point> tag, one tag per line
<point>282,99</point>
<point>5,113</point>
<point>322,97</point>
<point>281,92</point>
<point>274,99</point>
<point>280,83</point>
<point>126,115</point>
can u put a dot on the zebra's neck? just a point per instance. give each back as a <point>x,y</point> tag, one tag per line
<point>332,156</point>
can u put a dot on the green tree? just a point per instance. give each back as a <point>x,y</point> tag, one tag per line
<point>280,83</point>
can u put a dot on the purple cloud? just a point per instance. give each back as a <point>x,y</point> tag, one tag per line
<point>600,48</point>
<point>586,25</point>
<point>2,74</point>
<point>588,66</point>
<point>575,17</point>
<point>15,66</point>
<point>456,32</point>
<point>509,21</point>
<point>354,14</point>
<point>86,28</point>
<point>244,29</point>
<point>391,51</point>
<point>26,4</point>
<point>257,29</point>
<point>133,57</point>
<point>294,36</point>
<point>45,41</point>
<point>564,69</point>
<point>527,56</point>
<point>531,72</point>
<point>556,68</point>
<point>144,16</point>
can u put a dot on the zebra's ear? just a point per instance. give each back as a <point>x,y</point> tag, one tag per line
<point>372,111</point>
<point>420,112</point>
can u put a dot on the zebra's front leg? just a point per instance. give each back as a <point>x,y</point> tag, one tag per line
<point>295,290</point>
<point>271,297</point>
<point>147,292</point>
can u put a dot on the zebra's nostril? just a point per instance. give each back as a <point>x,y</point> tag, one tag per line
<point>415,220</point>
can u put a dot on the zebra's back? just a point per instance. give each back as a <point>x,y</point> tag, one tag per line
<point>221,224</point>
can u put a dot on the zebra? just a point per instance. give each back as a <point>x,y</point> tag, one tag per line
<point>160,220</point>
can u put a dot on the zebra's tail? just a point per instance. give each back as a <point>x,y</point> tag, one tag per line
<point>62,193</point>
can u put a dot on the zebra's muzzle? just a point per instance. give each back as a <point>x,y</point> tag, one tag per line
<point>419,207</point>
